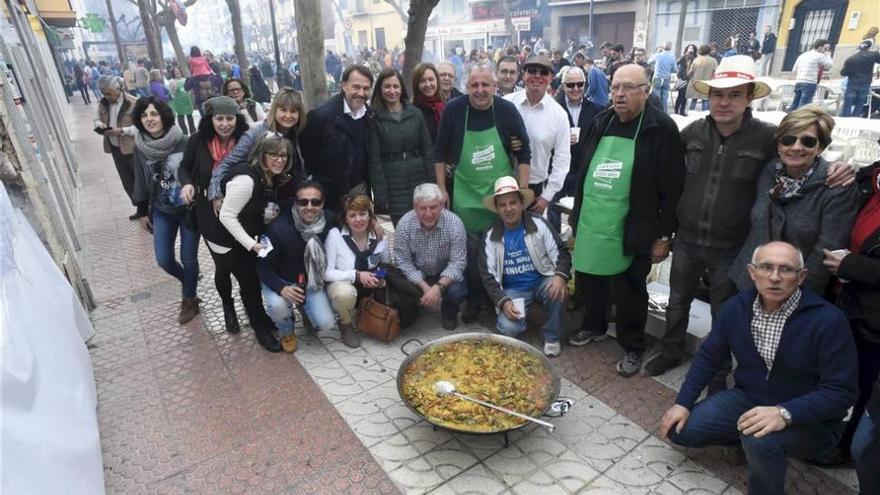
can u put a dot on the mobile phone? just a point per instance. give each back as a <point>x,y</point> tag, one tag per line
<point>101,130</point>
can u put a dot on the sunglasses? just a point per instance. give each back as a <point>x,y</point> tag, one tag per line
<point>572,85</point>
<point>806,141</point>
<point>306,201</point>
<point>538,70</point>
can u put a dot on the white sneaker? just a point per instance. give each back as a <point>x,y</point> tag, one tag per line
<point>552,349</point>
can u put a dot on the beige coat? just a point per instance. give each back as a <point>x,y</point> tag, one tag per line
<point>701,70</point>
<point>126,143</point>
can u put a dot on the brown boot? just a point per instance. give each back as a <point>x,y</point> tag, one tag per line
<point>189,308</point>
<point>349,337</point>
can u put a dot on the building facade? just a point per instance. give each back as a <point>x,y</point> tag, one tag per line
<point>617,21</point>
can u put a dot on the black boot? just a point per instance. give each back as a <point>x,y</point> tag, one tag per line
<point>267,340</point>
<point>230,317</point>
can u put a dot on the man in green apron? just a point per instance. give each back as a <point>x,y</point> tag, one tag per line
<point>476,134</point>
<point>624,212</point>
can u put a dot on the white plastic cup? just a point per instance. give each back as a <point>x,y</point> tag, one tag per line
<point>575,134</point>
<point>520,305</point>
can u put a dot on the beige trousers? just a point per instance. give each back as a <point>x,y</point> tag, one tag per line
<point>343,298</point>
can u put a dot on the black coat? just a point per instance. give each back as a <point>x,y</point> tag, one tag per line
<point>860,298</point>
<point>328,150</point>
<point>657,179</point>
<point>589,111</point>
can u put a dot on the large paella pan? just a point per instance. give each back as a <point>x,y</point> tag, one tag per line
<point>493,368</point>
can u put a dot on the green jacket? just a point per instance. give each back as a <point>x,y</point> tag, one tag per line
<point>400,157</point>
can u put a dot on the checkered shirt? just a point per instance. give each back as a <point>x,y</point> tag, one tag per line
<point>421,253</point>
<point>767,327</point>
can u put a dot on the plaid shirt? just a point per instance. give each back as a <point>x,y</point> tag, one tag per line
<point>767,327</point>
<point>421,253</point>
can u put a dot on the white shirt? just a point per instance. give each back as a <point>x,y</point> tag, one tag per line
<point>354,115</point>
<point>806,67</point>
<point>113,112</point>
<point>341,259</point>
<point>574,109</point>
<point>547,125</point>
<point>239,190</point>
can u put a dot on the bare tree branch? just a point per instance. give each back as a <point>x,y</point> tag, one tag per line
<point>403,15</point>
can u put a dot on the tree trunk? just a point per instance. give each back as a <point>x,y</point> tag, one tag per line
<point>310,37</point>
<point>240,52</point>
<point>119,51</point>
<point>167,20</point>
<point>508,23</point>
<point>419,11</point>
<point>154,42</point>
<point>680,33</point>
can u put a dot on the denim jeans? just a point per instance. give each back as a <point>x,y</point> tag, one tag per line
<point>476,291</point>
<point>552,329</point>
<point>317,308</point>
<point>165,228</point>
<point>866,454</point>
<point>705,104</point>
<point>803,95</point>
<point>854,100</point>
<point>713,422</point>
<point>689,262</point>
<point>661,87</point>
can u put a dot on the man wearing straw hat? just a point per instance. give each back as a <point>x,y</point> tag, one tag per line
<point>725,153</point>
<point>522,258</point>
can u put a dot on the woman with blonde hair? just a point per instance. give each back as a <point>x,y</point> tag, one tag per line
<point>286,117</point>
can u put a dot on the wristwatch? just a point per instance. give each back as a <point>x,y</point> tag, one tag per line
<point>785,415</point>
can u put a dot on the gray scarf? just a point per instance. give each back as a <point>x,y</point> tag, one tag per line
<point>315,259</point>
<point>158,149</point>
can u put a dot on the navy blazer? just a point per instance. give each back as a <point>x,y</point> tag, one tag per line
<point>589,110</point>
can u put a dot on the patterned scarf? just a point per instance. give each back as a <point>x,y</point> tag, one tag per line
<point>218,150</point>
<point>786,188</point>
<point>315,259</point>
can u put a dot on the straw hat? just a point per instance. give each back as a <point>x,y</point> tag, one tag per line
<point>733,71</point>
<point>505,185</point>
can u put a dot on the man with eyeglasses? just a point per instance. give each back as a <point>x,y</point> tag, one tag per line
<point>447,71</point>
<point>580,112</point>
<point>795,377</point>
<point>549,135</point>
<point>507,74</point>
<point>726,151</point>
<point>334,143</point>
<point>632,173</point>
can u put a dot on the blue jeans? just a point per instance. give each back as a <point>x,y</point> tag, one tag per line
<point>165,228</point>
<point>454,296</point>
<point>661,87</point>
<point>705,104</point>
<point>552,328</point>
<point>713,422</point>
<point>854,100</point>
<point>317,307</point>
<point>866,454</point>
<point>803,95</point>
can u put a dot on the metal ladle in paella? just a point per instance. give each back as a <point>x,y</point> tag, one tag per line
<point>491,371</point>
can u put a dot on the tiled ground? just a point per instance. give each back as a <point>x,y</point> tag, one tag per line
<point>191,409</point>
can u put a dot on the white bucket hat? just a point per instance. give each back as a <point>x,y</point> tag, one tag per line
<point>733,71</point>
<point>505,185</point>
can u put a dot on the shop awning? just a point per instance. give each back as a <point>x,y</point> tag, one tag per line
<point>56,13</point>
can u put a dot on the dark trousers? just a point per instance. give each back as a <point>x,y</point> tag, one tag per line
<point>803,95</point>
<point>713,422</point>
<point>476,292</point>
<point>182,120</point>
<point>125,169</point>
<point>866,454</point>
<point>84,92</point>
<point>242,265</point>
<point>689,262</point>
<point>631,296</point>
<point>869,369</point>
<point>681,102</point>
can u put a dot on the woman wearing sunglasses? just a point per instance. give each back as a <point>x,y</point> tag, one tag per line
<point>400,146</point>
<point>248,207</point>
<point>287,116</point>
<point>793,204</point>
<point>353,254</point>
<point>292,273</point>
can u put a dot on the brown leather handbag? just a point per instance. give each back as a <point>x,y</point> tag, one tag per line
<point>378,320</point>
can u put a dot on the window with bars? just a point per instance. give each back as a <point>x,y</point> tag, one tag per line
<point>817,24</point>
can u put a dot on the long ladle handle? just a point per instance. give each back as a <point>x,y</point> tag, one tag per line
<point>549,426</point>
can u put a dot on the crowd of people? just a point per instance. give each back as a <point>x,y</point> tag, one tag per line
<point>471,168</point>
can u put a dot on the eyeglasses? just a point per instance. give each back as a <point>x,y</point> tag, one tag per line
<point>809,142</point>
<point>278,156</point>
<point>306,201</point>
<point>538,70</point>
<point>627,87</point>
<point>572,85</point>
<point>783,270</point>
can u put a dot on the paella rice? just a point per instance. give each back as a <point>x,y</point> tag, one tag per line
<point>492,371</point>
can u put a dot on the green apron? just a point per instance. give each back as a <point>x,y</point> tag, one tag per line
<point>482,161</point>
<point>598,246</point>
